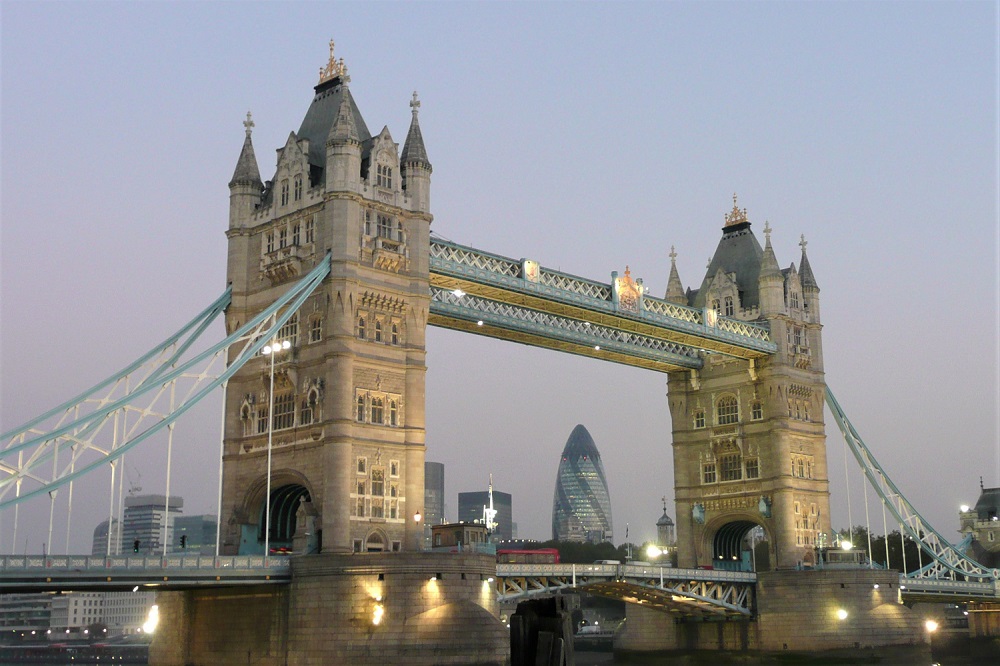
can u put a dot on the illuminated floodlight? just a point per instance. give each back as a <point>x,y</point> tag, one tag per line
<point>597,347</point>
<point>653,551</point>
<point>841,614</point>
<point>266,349</point>
<point>479,323</point>
<point>931,626</point>
<point>875,586</point>
<point>149,626</point>
<point>458,292</point>
<point>377,614</point>
<point>964,508</point>
<point>846,545</point>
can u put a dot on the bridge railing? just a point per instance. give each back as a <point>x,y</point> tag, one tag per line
<point>945,586</point>
<point>141,562</point>
<point>625,570</point>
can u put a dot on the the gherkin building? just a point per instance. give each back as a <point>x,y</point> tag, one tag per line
<point>581,508</point>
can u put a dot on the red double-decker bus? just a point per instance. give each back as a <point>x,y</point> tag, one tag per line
<point>539,556</point>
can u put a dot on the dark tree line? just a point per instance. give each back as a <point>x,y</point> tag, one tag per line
<point>914,558</point>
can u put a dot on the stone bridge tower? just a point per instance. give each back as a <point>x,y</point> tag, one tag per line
<point>748,438</point>
<point>348,419</point>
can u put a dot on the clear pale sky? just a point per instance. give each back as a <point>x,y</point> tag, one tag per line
<point>586,136</point>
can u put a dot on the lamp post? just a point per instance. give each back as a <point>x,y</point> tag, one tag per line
<point>271,350</point>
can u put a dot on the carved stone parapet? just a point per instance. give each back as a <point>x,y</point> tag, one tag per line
<point>281,264</point>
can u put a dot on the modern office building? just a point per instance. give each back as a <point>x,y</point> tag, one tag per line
<point>470,510</point>
<point>581,508</point>
<point>193,535</point>
<point>433,498</point>
<point>100,545</point>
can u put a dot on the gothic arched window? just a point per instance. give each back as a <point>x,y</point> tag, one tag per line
<point>377,410</point>
<point>729,306</point>
<point>727,411</point>
<point>362,333</point>
<point>361,409</point>
<point>378,331</point>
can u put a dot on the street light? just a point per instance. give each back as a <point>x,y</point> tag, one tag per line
<point>271,350</point>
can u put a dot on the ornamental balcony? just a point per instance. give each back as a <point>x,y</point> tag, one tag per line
<point>282,264</point>
<point>387,254</point>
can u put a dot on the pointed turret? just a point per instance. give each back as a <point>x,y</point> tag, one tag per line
<point>810,290</point>
<point>343,148</point>
<point>771,283</point>
<point>414,165</point>
<point>246,187</point>
<point>675,290</point>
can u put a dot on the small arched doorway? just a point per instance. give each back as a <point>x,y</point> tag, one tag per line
<point>741,545</point>
<point>375,543</point>
<point>284,502</point>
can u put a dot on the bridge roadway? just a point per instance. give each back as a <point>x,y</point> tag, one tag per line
<point>696,592</point>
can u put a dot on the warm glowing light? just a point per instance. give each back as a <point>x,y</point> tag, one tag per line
<point>841,614</point>
<point>964,508</point>
<point>135,589</point>
<point>875,586</point>
<point>653,551</point>
<point>417,517</point>
<point>490,579</point>
<point>377,614</point>
<point>149,626</point>
<point>931,626</point>
<point>597,347</point>
<point>266,349</point>
<point>846,545</point>
<point>458,292</point>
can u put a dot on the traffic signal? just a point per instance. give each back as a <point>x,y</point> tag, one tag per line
<point>184,541</point>
<point>135,546</point>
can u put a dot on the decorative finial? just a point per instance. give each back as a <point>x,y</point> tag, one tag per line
<point>333,69</point>
<point>803,242</point>
<point>415,104</point>
<point>736,216</point>
<point>664,504</point>
<point>248,124</point>
<point>673,255</point>
<point>767,231</point>
<point>628,274</point>
<point>709,264</point>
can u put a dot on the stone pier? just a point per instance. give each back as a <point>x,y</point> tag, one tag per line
<point>832,611</point>
<point>409,608</point>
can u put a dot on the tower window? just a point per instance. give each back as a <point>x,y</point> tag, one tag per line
<point>362,465</point>
<point>384,176</point>
<point>290,330</point>
<point>282,237</point>
<point>729,306</point>
<point>270,241</point>
<point>296,235</point>
<point>794,298</point>
<point>699,418</point>
<point>731,470</point>
<point>362,333</point>
<point>310,231</point>
<point>384,226</point>
<point>756,410</point>
<point>284,193</point>
<point>716,306</point>
<point>727,411</point>
<point>284,411</point>
<point>395,333</point>
<point>368,222</point>
<point>378,331</point>
<point>298,188</point>
<point>378,482</point>
<point>361,416</point>
<point>306,411</point>
<point>393,414</point>
<point>262,420</point>
<point>753,468</point>
<point>316,330</point>
<point>708,473</point>
<point>377,410</point>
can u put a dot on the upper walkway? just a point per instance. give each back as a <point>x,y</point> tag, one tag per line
<point>519,300</point>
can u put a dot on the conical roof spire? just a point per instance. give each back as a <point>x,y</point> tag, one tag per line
<point>413,148</point>
<point>805,270</point>
<point>246,172</point>
<point>344,129</point>
<point>675,290</point>
<point>769,263</point>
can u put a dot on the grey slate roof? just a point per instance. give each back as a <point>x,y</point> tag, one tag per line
<point>246,172</point>
<point>321,115</point>
<point>738,252</point>
<point>413,147</point>
<point>988,504</point>
<point>665,520</point>
<point>806,273</point>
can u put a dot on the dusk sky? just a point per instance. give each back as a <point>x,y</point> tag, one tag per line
<point>586,136</point>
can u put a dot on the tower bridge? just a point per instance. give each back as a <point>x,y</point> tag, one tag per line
<point>333,277</point>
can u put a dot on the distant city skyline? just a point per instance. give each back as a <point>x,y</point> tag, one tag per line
<point>588,137</point>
